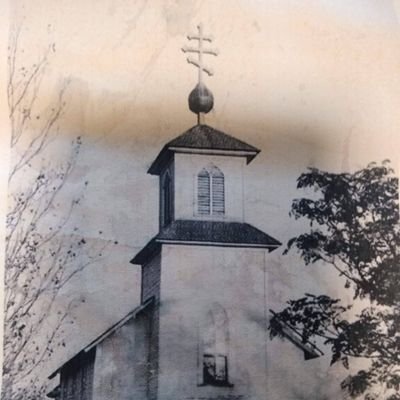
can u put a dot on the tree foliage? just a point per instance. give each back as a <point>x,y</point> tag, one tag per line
<point>40,259</point>
<point>354,228</point>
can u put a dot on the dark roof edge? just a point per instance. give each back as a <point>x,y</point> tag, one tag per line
<point>219,244</point>
<point>310,350</point>
<point>167,152</point>
<point>162,159</point>
<point>149,250</point>
<point>143,256</point>
<point>175,145</point>
<point>106,333</point>
<point>54,393</point>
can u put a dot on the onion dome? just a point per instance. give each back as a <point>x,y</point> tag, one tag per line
<point>201,100</point>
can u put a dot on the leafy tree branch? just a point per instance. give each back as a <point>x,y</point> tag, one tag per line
<point>354,228</point>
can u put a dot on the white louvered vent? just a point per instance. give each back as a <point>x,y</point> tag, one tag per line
<point>210,192</point>
<point>218,195</point>
<point>203,193</point>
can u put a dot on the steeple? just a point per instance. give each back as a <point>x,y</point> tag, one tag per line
<point>201,99</point>
<point>201,170</point>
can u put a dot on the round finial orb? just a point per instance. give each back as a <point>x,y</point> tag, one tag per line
<point>201,100</point>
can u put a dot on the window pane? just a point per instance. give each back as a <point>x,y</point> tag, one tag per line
<point>215,369</point>
<point>209,369</point>
<point>220,369</point>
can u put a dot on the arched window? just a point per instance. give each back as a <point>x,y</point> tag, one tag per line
<point>215,343</point>
<point>210,191</point>
<point>166,200</point>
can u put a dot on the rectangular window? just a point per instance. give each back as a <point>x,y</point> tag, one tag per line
<point>215,369</point>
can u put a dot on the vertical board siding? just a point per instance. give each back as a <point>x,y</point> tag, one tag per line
<point>77,378</point>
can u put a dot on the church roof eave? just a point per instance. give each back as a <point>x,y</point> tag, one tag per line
<point>106,333</point>
<point>207,233</point>
<point>309,349</point>
<point>203,139</point>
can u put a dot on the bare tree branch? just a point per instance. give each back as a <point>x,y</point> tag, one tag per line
<point>40,259</point>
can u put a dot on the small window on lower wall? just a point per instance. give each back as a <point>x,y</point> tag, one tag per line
<point>215,369</point>
<point>215,348</point>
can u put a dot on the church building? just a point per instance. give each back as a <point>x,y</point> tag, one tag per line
<point>200,331</point>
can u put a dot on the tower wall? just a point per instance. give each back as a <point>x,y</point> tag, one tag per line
<point>186,168</point>
<point>195,280</point>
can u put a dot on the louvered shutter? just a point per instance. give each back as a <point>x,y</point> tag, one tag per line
<point>203,193</point>
<point>218,194</point>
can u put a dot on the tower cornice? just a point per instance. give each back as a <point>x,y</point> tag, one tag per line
<point>203,139</point>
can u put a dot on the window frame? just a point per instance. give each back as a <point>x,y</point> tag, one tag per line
<point>213,173</point>
<point>211,347</point>
<point>213,380</point>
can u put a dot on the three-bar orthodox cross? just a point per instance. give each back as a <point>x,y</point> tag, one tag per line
<point>201,100</point>
<point>200,50</point>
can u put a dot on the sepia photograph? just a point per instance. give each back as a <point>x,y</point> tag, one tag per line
<point>200,200</point>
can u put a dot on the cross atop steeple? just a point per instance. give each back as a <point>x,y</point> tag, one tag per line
<point>201,100</point>
<point>200,50</point>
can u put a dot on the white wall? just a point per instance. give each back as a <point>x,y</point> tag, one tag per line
<point>120,369</point>
<point>195,277</point>
<point>187,166</point>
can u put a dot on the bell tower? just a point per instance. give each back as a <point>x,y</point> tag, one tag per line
<point>201,171</point>
<point>205,270</point>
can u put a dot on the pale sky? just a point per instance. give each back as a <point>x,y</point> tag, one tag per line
<point>310,83</point>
